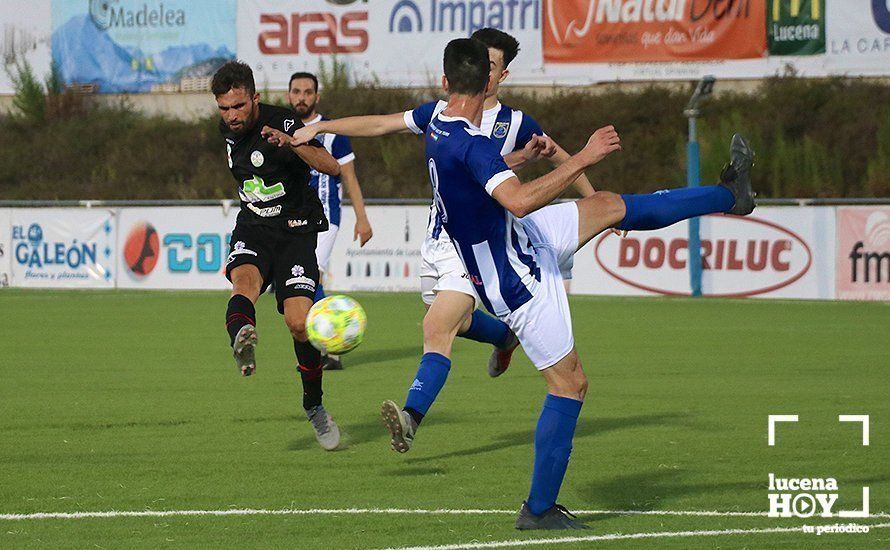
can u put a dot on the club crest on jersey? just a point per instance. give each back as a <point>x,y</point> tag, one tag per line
<point>500,129</point>
<point>257,159</point>
<point>288,124</point>
<point>297,270</point>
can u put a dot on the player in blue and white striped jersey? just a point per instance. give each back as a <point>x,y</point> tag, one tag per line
<point>511,243</point>
<point>442,275</point>
<point>303,97</point>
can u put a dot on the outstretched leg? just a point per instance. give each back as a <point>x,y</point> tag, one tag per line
<point>241,316</point>
<point>440,326</point>
<point>733,195</point>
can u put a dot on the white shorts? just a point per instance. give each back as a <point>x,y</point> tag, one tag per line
<point>544,323</point>
<point>441,269</point>
<point>324,247</point>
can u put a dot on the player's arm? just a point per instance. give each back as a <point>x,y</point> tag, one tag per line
<point>311,152</point>
<point>354,126</point>
<point>362,231</point>
<point>521,199</point>
<point>318,158</point>
<point>581,184</point>
<point>535,148</point>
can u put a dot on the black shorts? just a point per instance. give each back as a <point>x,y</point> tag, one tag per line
<point>285,257</point>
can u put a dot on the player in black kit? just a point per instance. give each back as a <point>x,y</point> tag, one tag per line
<point>275,235</point>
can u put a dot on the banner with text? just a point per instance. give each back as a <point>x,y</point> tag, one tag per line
<point>398,42</point>
<point>775,253</point>
<point>142,45</point>
<point>863,253</point>
<point>5,247</point>
<point>175,247</point>
<point>590,31</point>
<point>796,27</point>
<point>63,247</point>
<point>25,28</point>
<point>388,262</point>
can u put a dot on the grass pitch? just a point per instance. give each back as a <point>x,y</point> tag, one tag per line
<point>129,401</point>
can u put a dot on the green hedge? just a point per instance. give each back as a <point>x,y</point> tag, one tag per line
<point>814,138</point>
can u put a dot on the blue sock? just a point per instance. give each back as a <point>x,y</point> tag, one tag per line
<point>665,208</point>
<point>485,328</point>
<point>319,293</point>
<point>553,445</point>
<point>430,378</point>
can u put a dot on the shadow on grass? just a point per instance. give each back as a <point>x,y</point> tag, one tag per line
<point>354,433</point>
<point>659,489</point>
<point>586,428</point>
<point>94,426</point>
<point>361,357</point>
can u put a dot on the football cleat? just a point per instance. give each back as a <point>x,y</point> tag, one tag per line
<point>736,176</point>
<point>243,350</point>
<point>400,426</point>
<point>331,362</point>
<point>557,517</point>
<point>500,357</point>
<point>327,433</point>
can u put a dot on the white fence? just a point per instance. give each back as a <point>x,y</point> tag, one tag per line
<point>812,252</point>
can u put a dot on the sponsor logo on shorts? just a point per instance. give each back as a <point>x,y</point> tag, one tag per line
<point>297,223</point>
<point>239,251</point>
<point>299,280</point>
<point>301,283</point>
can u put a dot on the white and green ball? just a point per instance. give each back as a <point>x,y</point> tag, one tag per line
<point>336,324</point>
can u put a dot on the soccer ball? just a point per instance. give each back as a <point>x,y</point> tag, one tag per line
<point>336,324</point>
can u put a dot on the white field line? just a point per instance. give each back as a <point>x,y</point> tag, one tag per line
<point>362,511</point>
<point>620,536</point>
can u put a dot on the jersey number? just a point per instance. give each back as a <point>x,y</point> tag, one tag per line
<point>437,198</point>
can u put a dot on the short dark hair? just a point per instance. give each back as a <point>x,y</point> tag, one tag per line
<point>499,40</point>
<point>466,66</point>
<point>234,74</point>
<point>310,76</point>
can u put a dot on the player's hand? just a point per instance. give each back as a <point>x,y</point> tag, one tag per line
<point>304,135</point>
<point>601,143</point>
<point>362,232</point>
<point>548,146</point>
<point>534,149</point>
<point>276,137</point>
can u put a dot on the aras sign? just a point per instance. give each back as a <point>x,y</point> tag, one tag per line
<point>313,32</point>
<point>768,254</point>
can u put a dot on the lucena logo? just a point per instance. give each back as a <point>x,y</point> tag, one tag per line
<point>740,257</point>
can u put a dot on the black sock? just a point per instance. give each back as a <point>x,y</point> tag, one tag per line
<point>415,415</point>
<point>309,360</point>
<point>239,313</point>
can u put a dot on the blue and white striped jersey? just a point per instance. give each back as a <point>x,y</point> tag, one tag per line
<point>508,128</point>
<point>465,167</point>
<point>328,187</point>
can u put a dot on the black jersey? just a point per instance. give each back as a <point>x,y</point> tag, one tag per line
<point>273,182</point>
